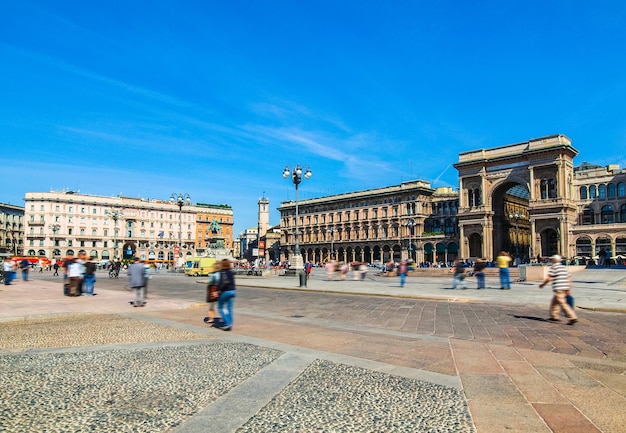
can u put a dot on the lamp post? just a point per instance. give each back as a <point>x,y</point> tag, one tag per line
<point>516,217</point>
<point>180,200</point>
<point>55,229</point>
<point>410,223</point>
<point>332,232</point>
<point>296,178</point>
<point>115,214</point>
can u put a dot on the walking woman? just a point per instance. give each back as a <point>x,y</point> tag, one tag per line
<point>227,295</point>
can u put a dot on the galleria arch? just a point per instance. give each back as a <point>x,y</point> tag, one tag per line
<point>518,198</point>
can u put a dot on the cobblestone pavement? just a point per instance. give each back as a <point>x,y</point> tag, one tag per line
<point>315,361</point>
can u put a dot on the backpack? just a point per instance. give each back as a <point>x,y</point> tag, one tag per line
<point>224,283</point>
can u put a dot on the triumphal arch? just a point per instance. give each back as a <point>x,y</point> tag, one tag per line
<point>517,198</point>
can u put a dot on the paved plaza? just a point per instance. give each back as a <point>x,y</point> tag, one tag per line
<point>335,356</point>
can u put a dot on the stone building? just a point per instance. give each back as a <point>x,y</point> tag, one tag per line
<point>529,199</point>
<point>601,211</point>
<point>11,230</point>
<point>60,222</point>
<point>407,221</point>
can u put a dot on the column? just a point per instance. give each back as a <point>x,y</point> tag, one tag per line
<point>533,245</point>
<point>463,250</point>
<point>531,182</point>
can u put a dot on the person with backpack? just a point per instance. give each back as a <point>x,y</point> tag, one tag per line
<point>212,293</point>
<point>227,295</point>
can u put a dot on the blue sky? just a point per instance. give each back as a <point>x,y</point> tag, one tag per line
<point>146,98</point>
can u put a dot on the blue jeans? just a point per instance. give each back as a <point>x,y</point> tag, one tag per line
<point>227,298</point>
<point>505,281</point>
<point>402,279</point>
<point>88,284</point>
<point>457,278</point>
<point>480,279</point>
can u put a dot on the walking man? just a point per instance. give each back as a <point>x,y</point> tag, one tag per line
<point>137,280</point>
<point>562,286</point>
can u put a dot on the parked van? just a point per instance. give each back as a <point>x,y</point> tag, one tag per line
<point>199,266</point>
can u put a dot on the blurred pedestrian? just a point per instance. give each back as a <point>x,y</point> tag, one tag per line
<point>8,268</point>
<point>227,295</point>
<point>25,267</point>
<point>402,270</point>
<point>479,273</point>
<point>213,292</point>
<point>459,274</point>
<point>90,277</point>
<point>562,287</point>
<point>503,260</point>
<point>136,280</point>
<point>330,269</point>
<point>75,272</point>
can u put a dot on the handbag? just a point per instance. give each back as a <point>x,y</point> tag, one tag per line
<point>212,294</point>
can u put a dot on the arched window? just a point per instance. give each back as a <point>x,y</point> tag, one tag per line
<point>592,191</point>
<point>621,190</point>
<point>602,191</point>
<point>610,190</point>
<point>622,214</point>
<point>583,193</point>
<point>606,214</point>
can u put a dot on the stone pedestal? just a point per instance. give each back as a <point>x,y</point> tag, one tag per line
<point>297,262</point>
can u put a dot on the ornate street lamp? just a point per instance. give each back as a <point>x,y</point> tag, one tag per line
<point>55,229</point>
<point>332,232</point>
<point>296,178</point>
<point>115,214</point>
<point>180,200</point>
<point>410,223</point>
<point>516,217</point>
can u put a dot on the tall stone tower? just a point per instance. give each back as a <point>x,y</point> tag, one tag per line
<point>264,216</point>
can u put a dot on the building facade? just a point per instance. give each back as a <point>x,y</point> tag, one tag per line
<point>11,230</point>
<point>107,228</point>
<point>601,211</point>
<point>406,221</point>
<point>214,228</point>
<point>526,198</point>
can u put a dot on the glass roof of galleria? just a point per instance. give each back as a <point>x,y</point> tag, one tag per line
<point>519,191</point>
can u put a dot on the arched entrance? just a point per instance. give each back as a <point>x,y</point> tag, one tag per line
<point>549,243</point>
<point>515,197</point>
<point>475,242</point>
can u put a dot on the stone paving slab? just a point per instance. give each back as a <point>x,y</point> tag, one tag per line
<point>543,366</point>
